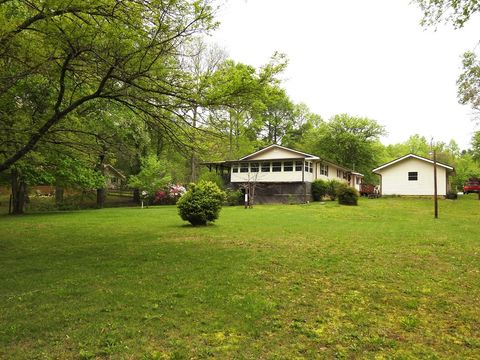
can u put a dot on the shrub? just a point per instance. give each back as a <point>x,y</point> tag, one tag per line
<point>319,189</point>
<point>347,195</point>
<point>213,177</point>
<point>332,188</point>
<point>233,197</point>
<point>169,195</point>
<point>201,203</point>
<point>452,195</point>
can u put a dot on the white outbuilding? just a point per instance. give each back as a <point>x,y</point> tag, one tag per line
<point>413,175</point>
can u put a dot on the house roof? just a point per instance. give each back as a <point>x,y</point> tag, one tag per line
<point>273,146</point>
<point>408,156</point>
<point>114,170</point>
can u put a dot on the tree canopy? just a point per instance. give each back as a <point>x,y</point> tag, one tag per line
<point>60,59</point>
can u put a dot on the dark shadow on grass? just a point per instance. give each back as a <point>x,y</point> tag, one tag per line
<point>190,226</point>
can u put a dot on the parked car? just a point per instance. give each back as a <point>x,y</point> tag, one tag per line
<point>471,186</point>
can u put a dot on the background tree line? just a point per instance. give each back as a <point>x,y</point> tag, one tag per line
<point>84,84</point>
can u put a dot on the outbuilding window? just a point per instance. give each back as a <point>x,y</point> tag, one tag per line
<point>412,176</point>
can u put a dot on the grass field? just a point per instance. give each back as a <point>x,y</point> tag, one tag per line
<point>381,280</point>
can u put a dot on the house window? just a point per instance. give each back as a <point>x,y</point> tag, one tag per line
<point>340,174</point>
<point>235,168</point>
<point>323,169</point>
<point>254,167</point>
<point>307,166</point>
<point>310,168</point>
<point>288,166</point>
<point>298,166</point>
<point>244,168</point>
<point>359,180</point>
<point>276,166</point>
<point>412,176</point>
<point>265,167</point>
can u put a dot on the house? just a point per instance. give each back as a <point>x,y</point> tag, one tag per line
<point>114,178</point>
<point>413,175</point>
<point>281,174</point>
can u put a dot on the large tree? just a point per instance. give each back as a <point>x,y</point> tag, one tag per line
<point>458,12</point>
<point>59,58</point>
<point>348,140</point>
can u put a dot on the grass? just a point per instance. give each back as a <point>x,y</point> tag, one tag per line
<point>381,280</point>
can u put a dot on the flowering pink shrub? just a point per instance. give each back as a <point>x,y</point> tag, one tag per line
<point>159,195</point>
<point>177,190</point>
<point>169,195</point>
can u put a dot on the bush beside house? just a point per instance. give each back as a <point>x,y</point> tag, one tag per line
<point>319,189</point>
<point>347,195</point>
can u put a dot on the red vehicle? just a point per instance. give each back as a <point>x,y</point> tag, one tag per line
<point>369,190</point>
<point>471,186</point>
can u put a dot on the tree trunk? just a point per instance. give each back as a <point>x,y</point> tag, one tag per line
<point>136,196</point>
<point>230,136</point>
<point>101,198</point>
<point>59,195</point>
<point>19,193</point>
<point>193,159</point>
<point>101,192</point>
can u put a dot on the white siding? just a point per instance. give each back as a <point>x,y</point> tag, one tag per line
<point>332,173</point>
<point>395,178</point>
<point>271,176</point>
<point>275,153</point>
<point>283,176</point>
<point>292,176</point>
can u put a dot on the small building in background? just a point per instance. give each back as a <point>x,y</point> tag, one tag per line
<point>413,175</point>
<point>115,180</point>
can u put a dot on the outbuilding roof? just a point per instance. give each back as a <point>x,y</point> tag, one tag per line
<point>408,156</point>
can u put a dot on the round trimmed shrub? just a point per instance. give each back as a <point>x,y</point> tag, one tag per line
<point>347,195</point>
<point>201,203</point>
<point>319,189</point>
<point>333,187</point>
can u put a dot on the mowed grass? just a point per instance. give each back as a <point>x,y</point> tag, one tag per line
<point>381,280</point>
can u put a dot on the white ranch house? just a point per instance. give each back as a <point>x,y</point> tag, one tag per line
<point>282,174</point>
<point>413,175</point>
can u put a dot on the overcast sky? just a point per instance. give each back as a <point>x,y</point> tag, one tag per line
<point>367,58</point>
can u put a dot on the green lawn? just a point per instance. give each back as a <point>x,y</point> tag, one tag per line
<point>381,280</point>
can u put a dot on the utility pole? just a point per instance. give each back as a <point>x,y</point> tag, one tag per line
<point>435,183</point>
<point>435,198</point>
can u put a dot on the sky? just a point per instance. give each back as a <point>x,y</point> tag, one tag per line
<point>368,58</point>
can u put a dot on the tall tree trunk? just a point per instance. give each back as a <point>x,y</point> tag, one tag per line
<point>19,192</point>
<point>136,196</point>
<point>59,194</point>
<point>101,192</point>
<point>193,158</point>
<point>230,135</point>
